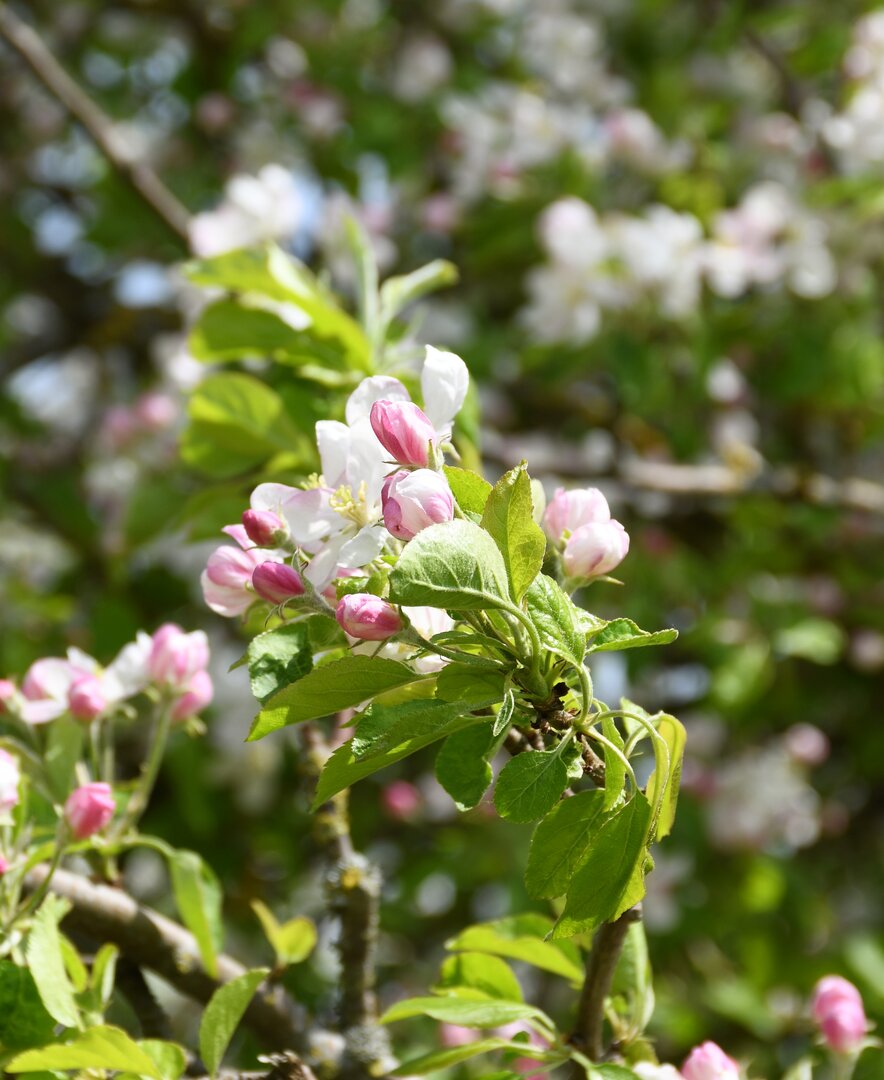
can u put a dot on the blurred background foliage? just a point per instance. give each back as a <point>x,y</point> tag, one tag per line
<point>730,407</point>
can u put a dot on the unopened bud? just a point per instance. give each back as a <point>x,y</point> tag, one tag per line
<point>838,1010</point>
<point>363,615</point>
<point>264,528</point>
<point>277,582</point>
<point>404,431</point>
<point>86,698</point>
<point>196,697</point>
<point>709,1062</point>
<point>88,809</point>
<point>595,549</point>
<point>412,501</point>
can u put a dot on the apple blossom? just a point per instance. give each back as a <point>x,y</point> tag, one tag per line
<point>709,1062</point>
<point>227,578</point>
<point>197,695</point>
<point>413,501</point>
<point>9,781</point>
<point>401,799</point>
<point>89,808</point>
<point>568,510</point>
<point>404,431</point>
<point>838,1010</point>
<point>4,865</point>
<point>595,549</point>
<point>365,616</point>
<point>86,697</point>
<point>8,693</point>
<point>277,582</point>
<point>176,656</point>
<point>265,528</point>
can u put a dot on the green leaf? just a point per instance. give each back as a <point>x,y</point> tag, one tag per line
<point>455,565</point>
<point>555,617</point>
<point>279,658</point>
<point>470,490</point>
<point>521,937</point>
<point>462,682</point>
<point>292,941</point>
<point>615,769</point>
<point>530,785</point>
<point>330,688</point>
<point>24,1020</point>
<point>223,1014</point>
<point>343,768</point>
<point>561,843</point>
<point>198,896</point>
<point>73,965</point>
<point>63,750</point>
<point>169,1057</point>
<point>509,518</point>
<point>624,634</point>
<point>400,291</point>
<point>505,713</point>
<point>382,727</point>
<point>675,736</point>
<point>97,1048</point>
<point>103,975</point>
<point>632,990</point>
<point>468,1012</point>
<point>488,974</point>
<point>444,1059</point>
<point>462,766</point>
<point>238,422</point>
<point>45,958</point>
<point>616,856</point>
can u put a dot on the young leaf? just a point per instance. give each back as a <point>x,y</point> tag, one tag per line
<point>462,767</point>
<point>292,941</point>
<point>343,768</point>
<point>279,658</point>
<point>521,937</point>
<point>675,736</point>
<point>470,490</point>
<point>97,1048</point>
<point>488,975</point>
<point>330,688</point>
<point>632,991</point>
<point>469,1012</point>
<point>624,634</point>
<point>24,1020</point>
<point>223,1014</point>
<point>505,713</point>
<point>607,875</point>
<point>462,682</point>
<point>169,1058</point>
<point>382,727</point>
<point>445,1059</point>
<point>615,769</point>
<point>400,291</point>
<point>103,975</point>
<point>554,615</point>
<point>455,565</point>
<point>198,896</point>
<point>64,749</point>
<point>561,843</point>
<point>45,958</point>
<point>508,516</point>
<point>530,785</point>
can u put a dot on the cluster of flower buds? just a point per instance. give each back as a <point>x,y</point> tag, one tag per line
<point>837,1008</point>
<point>591,542</point>
<point>171,661</point>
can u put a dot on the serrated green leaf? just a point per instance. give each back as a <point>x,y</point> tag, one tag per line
<point>505,713</point>
<point>223,1014</point>
<point>97,1048</point>
<point>45,958</point>
<point>530,785</point>
<point>24,1020</point>
<point>198,896</point>
<point>462,767</point>
<point>521,937</point>
<point>330,688</point>
<point>608,875</point>
<point>561,843</point>
<point>490,975</point>
<point>554,615</point>
<point>463,682</point>
<point>509,518</point>
<point>624,634</point>
<point>455,565</point>
<point>279,658</point>
<point>468,1012</point>
<point>470,490</point>
<point>615,768</point>
<point>675,736</point>
<point>382,727</point>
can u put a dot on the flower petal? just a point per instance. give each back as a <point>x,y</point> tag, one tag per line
<point>444,384</point>
<point>375,388</point>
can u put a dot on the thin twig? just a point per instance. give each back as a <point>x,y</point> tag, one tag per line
<point>158,944</point>
<point>600,967</point>
<point>136,173</point>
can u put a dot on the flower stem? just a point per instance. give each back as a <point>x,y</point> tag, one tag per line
<point>141,796</point>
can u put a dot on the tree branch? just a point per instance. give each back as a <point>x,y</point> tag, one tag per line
<point>600,967</point>
<point>137,174</point>
<point>158,944</point>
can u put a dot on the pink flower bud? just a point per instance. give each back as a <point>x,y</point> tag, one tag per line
<point>4,866</point>
<point>7,693</point>
<point>413,501</point>
<point>265,528</point>
<point>88,809</point>
<point>806,744</point>
<point>362,615</point>
<point>196,697</point>
<point>451,1035</point>
<point>86,697</point>
<point>838,1010</point>
<point>404,431</point>
<point>595,549</point>
<point>175,656</point>
<point>9,781</point>
<point>401,799</point>
<point>277,582</point>
<point>709,1062</point>
<point>156,411</point>
<point>568,510</point>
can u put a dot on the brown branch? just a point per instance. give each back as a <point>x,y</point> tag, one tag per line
<point>136,173</point>
<point>600,967</point>
<point>158,944</point>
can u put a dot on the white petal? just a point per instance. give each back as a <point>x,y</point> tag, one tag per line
<point>367,462</point>
<point>375,388</point>
<point>83,661</point>
<point>321,569</point>
<point>444,384</point>
<point>333,440</point>
<point>127,673</point>
<point>271,496</point>
<point>41,712</point>
<point>365,546</point>
<point>310,516</point>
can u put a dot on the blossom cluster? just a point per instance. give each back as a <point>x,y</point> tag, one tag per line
<point>597,264</point>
